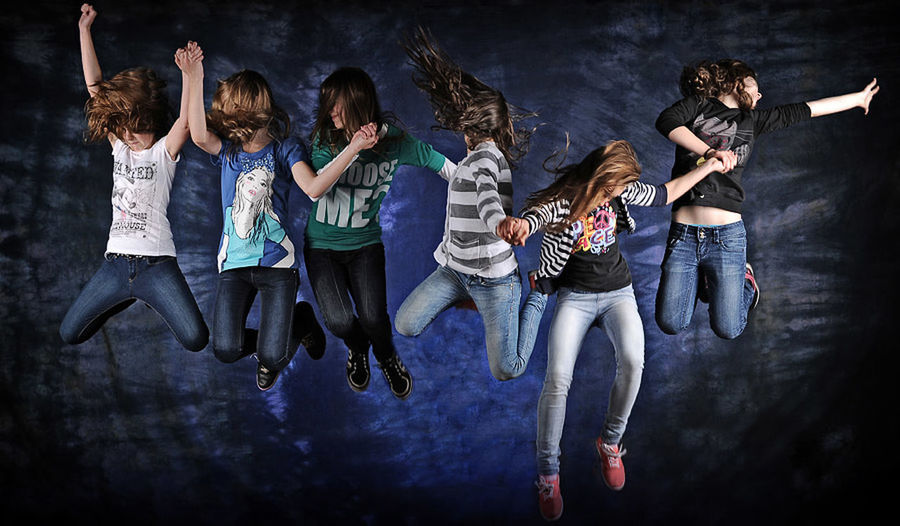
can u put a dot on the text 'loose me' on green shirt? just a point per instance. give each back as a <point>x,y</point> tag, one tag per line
<point>346,216</point>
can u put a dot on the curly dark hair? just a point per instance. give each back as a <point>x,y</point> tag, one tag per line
<point>133,100</point>
<point>590,183</point>
<point>242,104</point>
<point>462,103</point>
<point>714,79</point>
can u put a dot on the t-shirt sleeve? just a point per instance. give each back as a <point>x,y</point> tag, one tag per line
<point>642,194</point>
<point>219,158</point>
<point>118,147</point>
<point>679,114</point>
<point>779,117</point>
<point>417,153</point>
<point>291,152</point>
<point>320,155</point>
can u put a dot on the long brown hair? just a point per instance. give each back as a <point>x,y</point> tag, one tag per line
<point>354,89</point>
<point>716,79</point>
<point>589,183</point>
<point>133,100</point>
<point>462,103</point>
<point>242,104</point>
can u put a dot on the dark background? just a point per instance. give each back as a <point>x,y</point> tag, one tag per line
<point>793,422</point>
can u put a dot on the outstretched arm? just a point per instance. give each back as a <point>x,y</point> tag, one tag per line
<point>681,184</point>
<point>315,184</point>
<point>860,99</point>
<point>192,66</point>
<point>180,131</point>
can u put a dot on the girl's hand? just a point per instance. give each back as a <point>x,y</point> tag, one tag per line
<point>365,138</point>
<point>715,165</point>
<point>727,159</point>
<point>190,59</point>
<point>866,95</point>
<point>87,16</point>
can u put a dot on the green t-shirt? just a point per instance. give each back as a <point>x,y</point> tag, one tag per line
<point>346,217</point>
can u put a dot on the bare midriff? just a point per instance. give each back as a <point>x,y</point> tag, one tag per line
<point>704,215</point>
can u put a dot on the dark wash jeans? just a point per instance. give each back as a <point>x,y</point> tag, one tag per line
<point>120,280</point>
<point>237,288</point>
<point>336,276</point>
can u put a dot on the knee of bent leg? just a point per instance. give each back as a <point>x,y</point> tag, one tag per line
<point>197,341</point>
<point>504,373</point>
<point>668,324</point>
<point>227,352</point>
<point>727,332</point>
<point>407,325</point>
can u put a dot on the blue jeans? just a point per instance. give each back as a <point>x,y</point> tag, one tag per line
<point>338,275</point>
<point>497,300</point>
<point>237,288</point>
<point>155,280</point>
<point>576,312</point>
<point>720,254</point>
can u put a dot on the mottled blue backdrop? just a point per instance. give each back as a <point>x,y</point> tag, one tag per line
<point>792,422</point>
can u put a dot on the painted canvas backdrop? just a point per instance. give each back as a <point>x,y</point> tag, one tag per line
<point>792,421</point>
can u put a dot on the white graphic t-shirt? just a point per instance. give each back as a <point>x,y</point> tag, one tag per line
<point>141,185</point>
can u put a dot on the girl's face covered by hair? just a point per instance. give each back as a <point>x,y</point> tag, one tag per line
<point>337,115</point>
<point>136,141</point>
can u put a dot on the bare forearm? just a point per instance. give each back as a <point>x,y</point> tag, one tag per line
<point>685,138</point>
<point>89,63</point>
<point>680,185</point>
<point>200,134</point>
<point>837,104</point>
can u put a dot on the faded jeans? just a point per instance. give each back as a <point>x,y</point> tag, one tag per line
<point>576,312</point>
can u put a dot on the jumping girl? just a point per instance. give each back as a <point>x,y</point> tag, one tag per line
<point>248,136</point>
<point>706,252</point>
<point>343,251</point>
<point>474,263</point>
<point>132,112</point>
<point>582,212</point>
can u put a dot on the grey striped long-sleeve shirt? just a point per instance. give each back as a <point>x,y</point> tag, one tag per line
<point>479,196</point>
<point>556,247</point>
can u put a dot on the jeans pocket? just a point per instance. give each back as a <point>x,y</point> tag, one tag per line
<point>734,244</point>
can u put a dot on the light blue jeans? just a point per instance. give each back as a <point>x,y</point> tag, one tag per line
<point>497,300</point>
<point>617,315</point>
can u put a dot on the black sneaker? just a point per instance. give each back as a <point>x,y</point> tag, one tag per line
<point>397,376</point>
<point>265,378</point>
<point>358,370</point>
<point>307,331</point>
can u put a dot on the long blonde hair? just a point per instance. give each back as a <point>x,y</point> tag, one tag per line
<point>589,183</point>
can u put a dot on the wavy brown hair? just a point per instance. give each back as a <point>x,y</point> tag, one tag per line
<point>462,103</point>
<point>242,104</point>
<point>133,100</point>
<point>354,89</point>
<point>715,79</point>
<point>590,183</point>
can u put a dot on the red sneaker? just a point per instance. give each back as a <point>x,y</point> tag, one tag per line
<point>611,466</point>
<point>549,498</point>
<point>748,275</point>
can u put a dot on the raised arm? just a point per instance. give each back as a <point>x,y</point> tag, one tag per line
<point>192,66</point>
<point>859,99</point>
<point>315,184</point>
<point>180,131</point>
<point>89,63</point>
